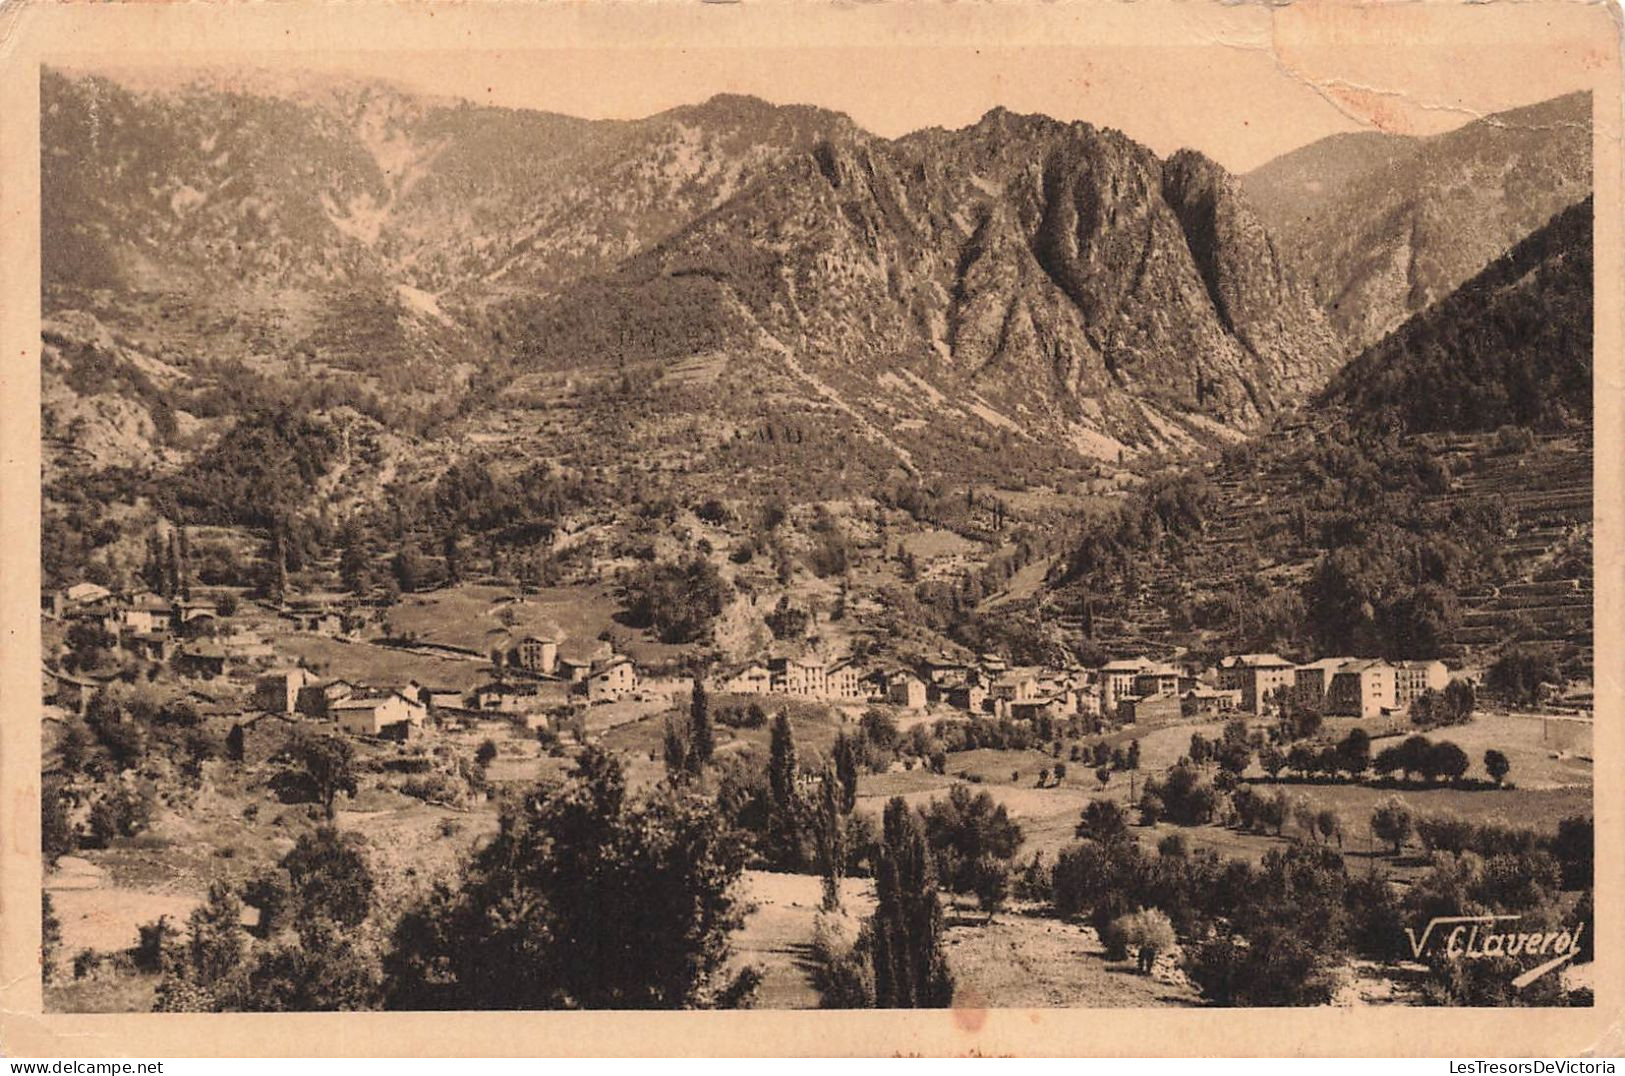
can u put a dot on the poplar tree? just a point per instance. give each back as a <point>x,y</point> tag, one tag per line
<point>911,969</point>
<point>784,826</point>
<point>846,771</point>
<point>702,740</point>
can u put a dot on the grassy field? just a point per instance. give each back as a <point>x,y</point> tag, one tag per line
<point>474,616</point>
<point>380,666</point>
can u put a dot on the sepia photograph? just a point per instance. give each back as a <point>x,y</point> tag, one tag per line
<point>643,528</point>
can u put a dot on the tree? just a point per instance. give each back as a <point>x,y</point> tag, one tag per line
<point>963,828</point>
<point>452,554</point>
<point>329,878</point>
<point>410,568</point>
<point>1354,753</point>
<point>1517,675</point>
<point>846,771</point>
<point>702,739</point>
<point>1329,824</point>
<point>234,743</point>
<point>1272,761</point>
<point>325,970</point>
<point>57,836</point>
<point>911,967</point>
<point>1103,775</point>
<point>992,883</point>
<point>326,763</point>
<point>586,898</point>
<point>1415,756</point>
<point>72,748</point>
<point>831,839</point>
<point>355,559</point>
<point>1392,821</point>
<point>677,600</point>
<point>676,747</point>
<point>1133,759</point>
<point>1497,765</point>
<point>1234,757</point>
<point>1447,760</point>
<point>1103,822</point>
<point>1460,700</point>
<point>1145,934</point>
<point>214,950</point>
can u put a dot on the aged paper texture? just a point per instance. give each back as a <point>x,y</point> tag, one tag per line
<point>779,528</point>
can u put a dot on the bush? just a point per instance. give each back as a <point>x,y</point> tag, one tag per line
<point>122,811</point>
<point>1145,934</point>
<point>842,972</point>
<point>1271,968</point>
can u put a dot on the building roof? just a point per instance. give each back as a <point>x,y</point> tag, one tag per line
<point>290,670</point>
<point>1133,665</point>
<point>1263,661</point>
<point>1329,664</point>
<point>1359,665</point>
<point>611,665</point>
<point>356,702</point>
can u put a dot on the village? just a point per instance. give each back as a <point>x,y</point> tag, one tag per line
<point>536,681</point>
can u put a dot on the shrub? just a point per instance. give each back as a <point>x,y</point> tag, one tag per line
<point>1144,933</point>
<point>842,972</point>
<point>1273,967</point>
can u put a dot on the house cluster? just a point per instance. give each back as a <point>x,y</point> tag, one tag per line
<point>353,708</point>
<point>1135,690</point>
<point>142,623</point>
<point>538,675</point>
<point>1139,689</point>
<point>987,685</point>
<point>543,665</point>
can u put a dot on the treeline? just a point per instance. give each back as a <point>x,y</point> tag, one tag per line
<point>1276,933</point>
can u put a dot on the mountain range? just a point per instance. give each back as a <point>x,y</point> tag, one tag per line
<point>1381,226</point>
<point>1056,283</point>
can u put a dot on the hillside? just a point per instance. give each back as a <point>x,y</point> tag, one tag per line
<point>1290,190</point>
<point>1407,232</point>
<point>1435,502</point>
<point>1511,346</point>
